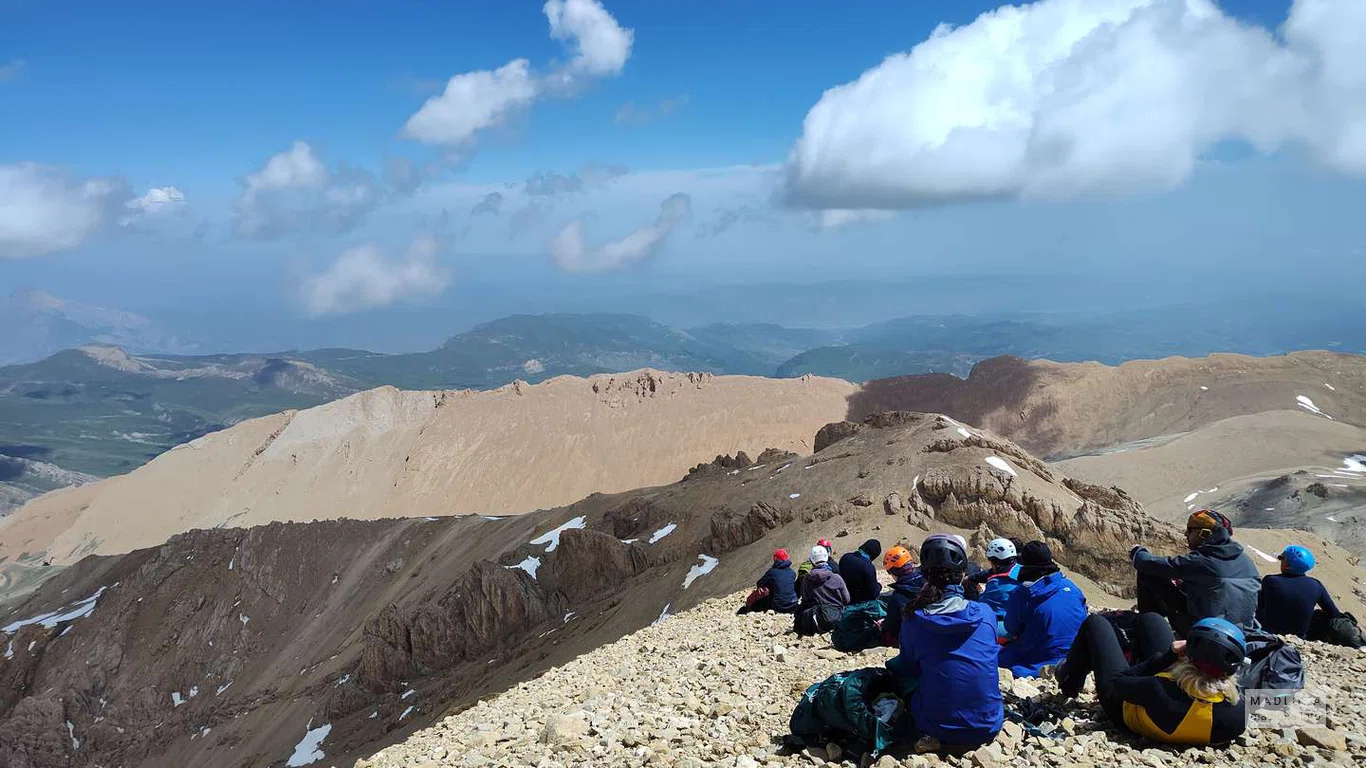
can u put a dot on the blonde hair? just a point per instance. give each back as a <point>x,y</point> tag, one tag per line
<point>1198,685</point>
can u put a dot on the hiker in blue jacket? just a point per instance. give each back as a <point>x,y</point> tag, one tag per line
<point>781,583</point>
<point>948,655</point>
<point>859,573</point>
<point>1001,580</point>
<point>1043,615</point>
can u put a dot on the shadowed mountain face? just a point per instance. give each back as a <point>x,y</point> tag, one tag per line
<point>224,647</point>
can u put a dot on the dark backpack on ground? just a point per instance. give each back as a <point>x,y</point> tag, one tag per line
<point>816,620</point>
<point>859,627</point>
<point>1339,630</point>
<point>1273,664</point>
<point>862,710</point>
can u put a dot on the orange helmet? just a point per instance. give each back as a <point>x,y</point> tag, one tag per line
<point>896,557</point>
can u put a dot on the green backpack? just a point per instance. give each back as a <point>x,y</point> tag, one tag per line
<point>862,710</point>
<point>860,626</point>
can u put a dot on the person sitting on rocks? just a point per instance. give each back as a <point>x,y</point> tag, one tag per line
<point>1043,615</point>
<point>948,655</point>
<point>807,564</point>
<point>1183,692</point>
<point>1286,604</point>
<point>1217,579</point>
<point>779,583</point>
<point>1000,580</point>
<point>823,596</point>
<point>906,584</point>
<point>859,573</point>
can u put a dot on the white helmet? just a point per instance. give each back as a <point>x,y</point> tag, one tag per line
<point>819,554</point>
<point>1001,549</point>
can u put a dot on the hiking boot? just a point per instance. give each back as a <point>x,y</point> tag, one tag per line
<point>926,744</point>
<point>1058,672</point>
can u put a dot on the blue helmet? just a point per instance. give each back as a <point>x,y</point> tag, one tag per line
<point>1216,647</point>
<point>1297,559</point>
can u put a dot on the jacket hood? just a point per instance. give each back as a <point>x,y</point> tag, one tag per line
<point>782,564</point>
<point>821,575</point>
<point>953,614</point>
<point>1220,546</point>
<point>1049,585</point>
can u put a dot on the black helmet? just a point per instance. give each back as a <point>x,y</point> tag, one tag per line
<point>942,551</point>
<point>1216,647</point>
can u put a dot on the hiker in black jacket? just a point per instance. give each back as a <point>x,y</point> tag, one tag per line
<point>1183,692</point>
<point>860,575</point>
<point>780,581</point>
<point>1288,599</point>
<point>1217,579</point>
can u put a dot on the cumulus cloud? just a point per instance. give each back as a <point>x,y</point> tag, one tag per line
<point>296,191</point>
<point>44,209</point>
<point>492,204</point>
<point>364,278</point>
<point>571,252</point>
<point>631,113</point>
<point>473,102</point>
<point>157,202</point>
<point>1064,98</point>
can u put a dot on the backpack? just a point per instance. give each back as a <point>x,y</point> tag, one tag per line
<point>859,627</point>
<point>816,620</point>
<point>758,595</point>
<point>1339,630</point>
<point>1271,665</point>
<point>862,710</point>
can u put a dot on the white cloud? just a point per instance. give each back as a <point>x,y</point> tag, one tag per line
<point>1065,98</point>
<point>600,45</point>
<point>157,201</point>
<point>363,278</point>
<point>295,191</point>
<point>44,209</point>
<point>571,253</point>
<point>477,101</point>
<point>839,218</point>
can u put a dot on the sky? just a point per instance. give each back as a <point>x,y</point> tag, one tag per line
<point>319,168</point>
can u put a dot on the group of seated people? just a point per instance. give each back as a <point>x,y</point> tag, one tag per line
<point>956,623</point>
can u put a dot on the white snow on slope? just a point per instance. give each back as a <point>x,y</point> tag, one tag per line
<point>1191,497</point>
<point>309,749</point>
<point>1330,386</point>
<point>1001,464</point>
<point>551,540</point>
<point>794,495</point>
<point>1262,554</point>
<point>664,614</point>
<point>1308,405</point>
<point>223,687</point>
<point>1354,463</point>
<point>1331,519</point>
<point>176,699</point>
<point>662,532</point>
<point>701,569</point>
<point>77,610</point>
<point>71,731</point>
<point>530,565</point>
<point>406,712</point>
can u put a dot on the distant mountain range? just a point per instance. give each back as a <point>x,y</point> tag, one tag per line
<point>104,408</point>
<point>39,324</point>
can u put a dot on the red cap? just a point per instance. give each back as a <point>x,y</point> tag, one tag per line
<point>826,543</point>
<point>779,554</point>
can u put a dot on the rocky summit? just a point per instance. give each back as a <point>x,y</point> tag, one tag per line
<point>709,688</point>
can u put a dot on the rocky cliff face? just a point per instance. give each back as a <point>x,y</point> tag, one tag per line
<point>237,647</point>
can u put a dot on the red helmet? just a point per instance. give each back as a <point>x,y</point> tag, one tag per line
<point>826,543</point>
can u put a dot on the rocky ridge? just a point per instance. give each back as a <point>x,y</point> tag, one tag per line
<point>708,688</point>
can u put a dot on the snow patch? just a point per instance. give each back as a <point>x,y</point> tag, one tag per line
<point>1001,464</point>
<point>406,712</point>
<point>530,565</point>
<point>794,495</point>
<point>664,614</point>
<point>176,699</point>
<point>71,731</point>
<point>1204,389</point>
<point>1331,519</point>
<point>223,687</point>
<point>780,469</point>
<point>1262,554</point>
<point>1308,405</point>
<point>1354,463</point>
<point>77,610</point>
<point>662,532</point>
<point>9,650</point>
<point>569,616</point>
<point>701,569</point>
<point>551,540</point>
<point>1191,497</point>
<point>629,541</point>
<point>964,432</point>
<point>309,749</point>
<point>1331,388</point>
<point>242,617</point>
<point>408,693</point>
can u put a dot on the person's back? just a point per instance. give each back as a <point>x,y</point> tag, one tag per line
<point>781,583</point>
<point>906,585</point>
<point>1218,579</point>
<point>1287,602</point>
<point>1042,618</point>
<point>823,586</point>
<point>859,574</point>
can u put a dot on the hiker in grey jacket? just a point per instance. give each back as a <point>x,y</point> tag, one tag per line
<point>823,586</point>
<point>1216,579</point>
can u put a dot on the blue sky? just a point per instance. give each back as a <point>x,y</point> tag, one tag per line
<point>922,168</point>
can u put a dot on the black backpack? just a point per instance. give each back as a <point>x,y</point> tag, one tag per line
<point>1272,664</point>
<point>816,620</point>
<point>1339,630</point>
